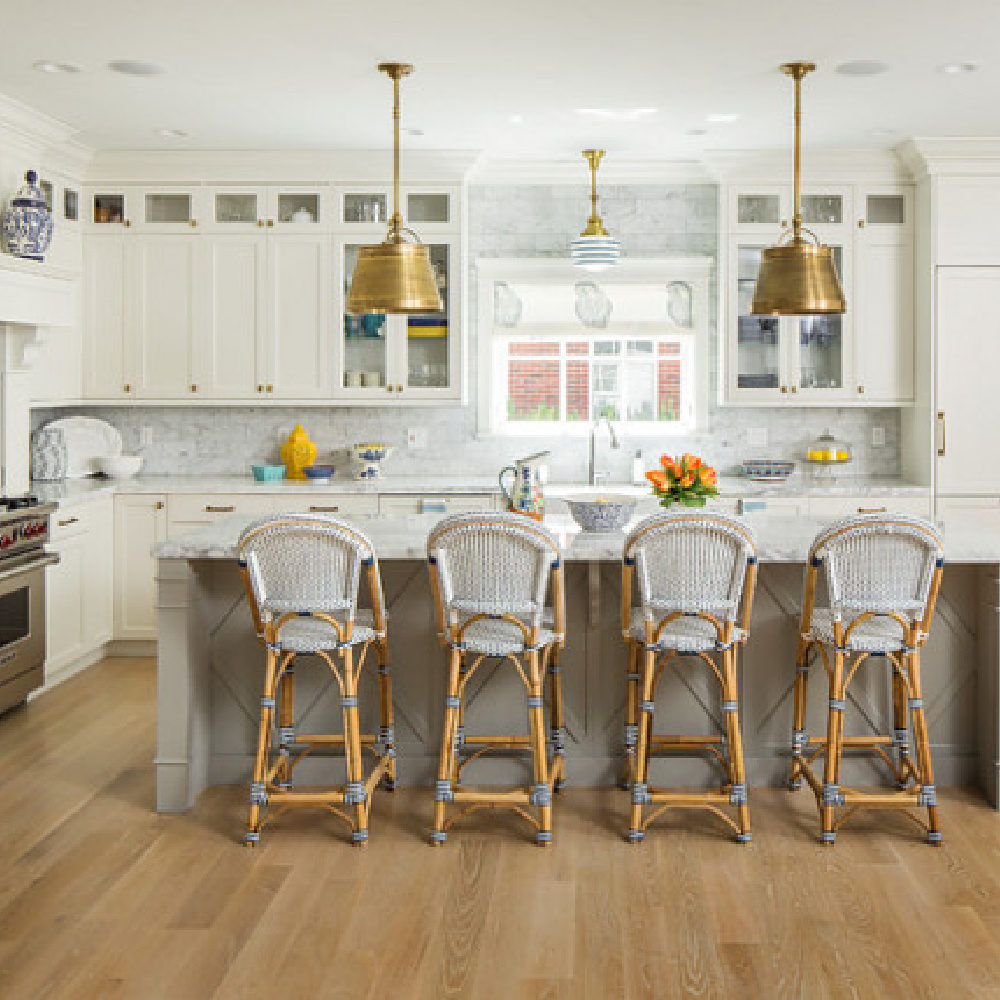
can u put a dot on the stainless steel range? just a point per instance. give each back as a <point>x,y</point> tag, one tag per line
<point>24,530</point>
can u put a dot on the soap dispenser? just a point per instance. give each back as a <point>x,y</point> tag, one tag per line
<point>638,471</point>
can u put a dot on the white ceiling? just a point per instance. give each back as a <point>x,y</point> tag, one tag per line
<point>250,74</point>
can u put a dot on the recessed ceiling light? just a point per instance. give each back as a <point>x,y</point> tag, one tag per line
<point>47,66</point>
<point>135,67</point>
<point>413,131</point>
<point>955,69</point>
<point>697,131</point>
<point>726,119</point>
<point>172,133</point>
<point>617,114</point>
<point>862,67</point>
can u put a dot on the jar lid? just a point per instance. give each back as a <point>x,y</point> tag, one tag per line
<point>30,195</point>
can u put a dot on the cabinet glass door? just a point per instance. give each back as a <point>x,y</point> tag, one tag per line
<point>821,345</point>
<point>427,334</point>
<point>365,339</point>
<point>758,338</point>
<point>237,208</point>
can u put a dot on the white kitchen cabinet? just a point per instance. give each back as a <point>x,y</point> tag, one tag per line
<point>966,363</point>
<point>104,317</point>
<point>246,209</point>
<point>342,504</point>
<point>79,587</point>
<point>436,503</point>
<point>161,284</point>
<point>845,506</point>
<point>981,511</point>
<point>390,359</point>
<point>866,356</point>
<point>188,512</point>
<point>140,522</point>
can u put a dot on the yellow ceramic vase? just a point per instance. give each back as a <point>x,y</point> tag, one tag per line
<point>298,451</point>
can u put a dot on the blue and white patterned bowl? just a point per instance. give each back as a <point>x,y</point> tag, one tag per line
<point>768,470</point>
<point>602,513</point>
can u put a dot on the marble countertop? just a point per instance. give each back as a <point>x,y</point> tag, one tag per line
<point>779,539</point>
<point>74,490</point>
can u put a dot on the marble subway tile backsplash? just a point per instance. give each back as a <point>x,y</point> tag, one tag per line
<point>510,221</point>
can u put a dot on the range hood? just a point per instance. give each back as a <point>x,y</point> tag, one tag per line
<point>32,302</point>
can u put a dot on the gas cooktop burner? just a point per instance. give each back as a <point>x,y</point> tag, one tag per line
<point>18,503</point>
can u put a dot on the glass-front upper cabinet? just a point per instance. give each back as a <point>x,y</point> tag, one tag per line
<point>425,209</point>
<point>775,357</point>
<point>767,210</point>
<point>168,209</point>
<point>403,358</point>
<point>109,208</point>
<point>304,209</point>
<point>237,209</point>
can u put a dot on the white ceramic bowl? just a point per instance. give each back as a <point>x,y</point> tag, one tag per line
<point>119,466</point>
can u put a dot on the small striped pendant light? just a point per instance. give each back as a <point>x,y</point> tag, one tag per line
<point>594,249</point>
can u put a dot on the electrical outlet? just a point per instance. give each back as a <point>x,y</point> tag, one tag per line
<point>416,437</point>
<point>756,437</point>
<point>145,436</point>
<point>878,437</point>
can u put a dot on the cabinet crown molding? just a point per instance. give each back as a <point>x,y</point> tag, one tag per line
<point>819,166</point>
<point>951,155</point>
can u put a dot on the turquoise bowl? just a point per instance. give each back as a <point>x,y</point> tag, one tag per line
<point>267,473</point>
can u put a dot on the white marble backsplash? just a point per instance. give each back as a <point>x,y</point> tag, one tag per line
<point>510,221</point>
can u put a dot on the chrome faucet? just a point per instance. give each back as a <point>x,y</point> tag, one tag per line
<point>593,475</point>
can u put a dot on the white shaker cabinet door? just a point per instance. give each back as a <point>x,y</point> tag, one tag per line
<point>64,624</point>
<point>140,522</point>
<point>230,354</point>
<point>104,317</point>
<point>160,294</point>
<point>301,292</point>
<point>967,339</point>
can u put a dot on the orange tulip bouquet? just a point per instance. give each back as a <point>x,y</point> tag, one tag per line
<point>686,480</point>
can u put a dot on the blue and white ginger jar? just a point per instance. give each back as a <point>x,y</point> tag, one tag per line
<point>27,223</point>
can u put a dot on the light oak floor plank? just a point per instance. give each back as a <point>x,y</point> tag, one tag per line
<point>100,897</point>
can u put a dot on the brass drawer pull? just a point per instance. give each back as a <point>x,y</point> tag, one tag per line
<point>158,505</point>
<point>861,388</point>
<point>68,521</point>
<point>941,422</point>
<point>209,509</point>
<point>873,510</point>
<point>323,510</point>
<point>127,387</point>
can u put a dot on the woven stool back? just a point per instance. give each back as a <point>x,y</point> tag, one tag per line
<point>879,562</point>
<point>689,561</point>
<point>492,564</point>
<point>306,563</point>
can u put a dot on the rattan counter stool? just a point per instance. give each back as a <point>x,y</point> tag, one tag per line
<point>696,573</point>
<point>882,574</point>
<point>489,575</point>
<point>302,576</point>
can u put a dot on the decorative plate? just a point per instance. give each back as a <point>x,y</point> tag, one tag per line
<point>87,439</point>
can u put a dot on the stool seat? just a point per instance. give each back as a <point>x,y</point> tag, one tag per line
<point>873,635</point>
<point>683,635</point>
<point>501,638</point>
<point>307,635</point>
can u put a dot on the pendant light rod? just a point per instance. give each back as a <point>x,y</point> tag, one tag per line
<point>595,226</point>
<point>395,71</point>
<point>797,70</point>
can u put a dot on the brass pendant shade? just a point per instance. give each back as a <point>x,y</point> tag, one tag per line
<point>798,276</point>
<point>394,276</point>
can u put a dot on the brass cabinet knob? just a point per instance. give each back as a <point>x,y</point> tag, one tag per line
<point>861,388</point>
<point>784,388</point>
<point>784,223</point>
<point>260,388</point>
<point>193,223</point>
<point>794,388</point>
<point>194,388</point>
<point>158,505</point>
<point>388,388</point>
<point>127,223</point>
<point>270,388</point>
<point>861,223</point>
<point>260,223</point>
<point>127,387</point>
<point>399,388</point>
<point>270,223</point>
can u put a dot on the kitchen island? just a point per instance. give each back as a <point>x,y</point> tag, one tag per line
<point>211,666</point>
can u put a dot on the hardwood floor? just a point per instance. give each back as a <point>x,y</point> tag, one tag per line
<point>101,897</point>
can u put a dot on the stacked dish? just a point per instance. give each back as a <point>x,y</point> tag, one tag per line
<point>767,470</point>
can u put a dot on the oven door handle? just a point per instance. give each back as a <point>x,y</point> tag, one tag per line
<point>49,559</point>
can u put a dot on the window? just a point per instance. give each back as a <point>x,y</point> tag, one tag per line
<point>557,352</point>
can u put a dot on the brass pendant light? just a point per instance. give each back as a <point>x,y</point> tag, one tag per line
<point>594,249</point>
<point>797,276</point>
<point>394,276</point>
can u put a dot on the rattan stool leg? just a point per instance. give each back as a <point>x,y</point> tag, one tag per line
<point>558,721</point>
<point>446,760</point>
<point>639,790</point>
<point>286,724</point>
<point>799,697</point>
<point>921,744</point>
<point>387,729</point>
<point>631,734</point>
<point>900,725</point>
<point>830,798</point>
<point>258,787</point>
<point>352,750</point>
<point>541,792</point>
<point>738,788</point>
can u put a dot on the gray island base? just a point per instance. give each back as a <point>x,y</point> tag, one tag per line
<point>210,669</point>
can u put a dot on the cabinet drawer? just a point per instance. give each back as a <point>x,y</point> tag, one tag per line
<point>780,506</point>
<point>343,504</point>
<point>850,506</point>
<point>190,512</point>
<point>69,521</point>
<point>436,503</point>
